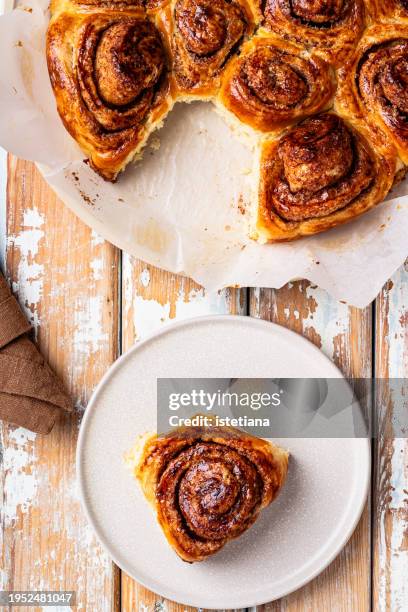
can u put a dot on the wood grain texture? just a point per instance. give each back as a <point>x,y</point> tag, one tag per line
<point>150,298</point>
<point>390,469</point>
<point>344,335</point>
<point>66,280</point>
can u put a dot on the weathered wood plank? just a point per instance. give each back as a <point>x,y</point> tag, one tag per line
<point>66,279</point>
<point>390,475</point>
<point>151,297</point>
<point>344,335</point>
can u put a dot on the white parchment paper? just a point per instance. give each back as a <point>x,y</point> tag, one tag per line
<point>184,206</point>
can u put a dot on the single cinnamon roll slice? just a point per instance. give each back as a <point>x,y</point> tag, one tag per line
<point>109,73</point>
<point>375,85</point>
<point>330,27</point>
<point>203,36</point>
<point>273,83</point>
<point>321,174</point>
<point>207,485</point>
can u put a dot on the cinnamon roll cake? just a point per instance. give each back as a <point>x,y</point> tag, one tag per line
<point>320,87</point>
<point>207,485</point>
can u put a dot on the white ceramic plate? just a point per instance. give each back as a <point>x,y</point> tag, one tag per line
<point>292,541</point>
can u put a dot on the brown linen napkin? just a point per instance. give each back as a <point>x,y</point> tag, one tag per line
<point>31,395</point>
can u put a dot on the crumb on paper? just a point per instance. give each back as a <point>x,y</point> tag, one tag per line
<point>227,228</point>
<point>155,143</point>
<point>19,43</point>
<point>241,205</point>
<point>86,198</point>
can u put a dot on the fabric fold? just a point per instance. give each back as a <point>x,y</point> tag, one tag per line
<point>31,395</point>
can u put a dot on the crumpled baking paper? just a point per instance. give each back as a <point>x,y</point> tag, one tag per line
<point>184,206</point>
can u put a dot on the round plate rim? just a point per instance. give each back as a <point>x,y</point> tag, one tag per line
<point>166,328</point>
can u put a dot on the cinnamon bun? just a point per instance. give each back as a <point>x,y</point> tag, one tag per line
<point>109,73</point>
<point>207,485</point>
<point>375,85</point>
<point>321,174</point>
<point>203,36</point>
<point>330,27</point>
<point>273,83</point>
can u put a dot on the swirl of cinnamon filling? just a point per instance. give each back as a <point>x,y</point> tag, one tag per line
<point>269,86</point>
<point>120,65</point>
<point>320,168</point>
<point>320,12</point>
<point>330,26</point>
<point>208,488</point>
<point>206,34</point>
<point>382,87</point>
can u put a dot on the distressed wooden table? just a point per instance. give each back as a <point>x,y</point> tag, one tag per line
<point>89,302</point>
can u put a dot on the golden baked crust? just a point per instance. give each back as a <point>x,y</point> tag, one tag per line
<point>207,485</point>
<point>109,73</point>
<point>274,83</point>
<point>202,37</point>
<point>388,9</point>
<point>323,173</point>
<point>330,27</point>
<point>374,85</point>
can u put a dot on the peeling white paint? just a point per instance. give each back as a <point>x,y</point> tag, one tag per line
<point>96,266</point>
<point>3,580</point>
<point>399,508</point>
<point>198,303</point>
<point>393,584</point>
<point>20,478</point>
<point>88,329</point>
<point>96,239</point>
<point>145,277</point>
<point>149,314</point>
<point>20,435</point>
<point>29,273</point>
<point>330,319</point>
